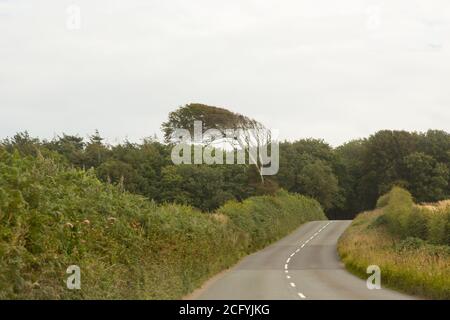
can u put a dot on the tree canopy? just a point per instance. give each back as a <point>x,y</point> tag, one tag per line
<point>345,180</point>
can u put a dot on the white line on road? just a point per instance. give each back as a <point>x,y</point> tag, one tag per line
<point>286,266</point>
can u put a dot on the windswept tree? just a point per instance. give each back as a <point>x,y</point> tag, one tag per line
<point>234,129</point>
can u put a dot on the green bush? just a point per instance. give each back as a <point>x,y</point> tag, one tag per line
<point>383,201</point>
<point>267,218</point>
<point>416,223</point>
<point>404,219</point>
<point>398,209</point>
<point>127,247</point>
<point>437,229</point>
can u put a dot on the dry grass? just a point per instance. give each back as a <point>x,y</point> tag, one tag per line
<point>421,269</point>
<point>438,206</point>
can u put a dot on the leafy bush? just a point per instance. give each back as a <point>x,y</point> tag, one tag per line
<point>267,218</point>
<point>383,201</point>
<point>405,219</point>
<point>416,223</point>
<point>52,217</point>
<point>399,206</point>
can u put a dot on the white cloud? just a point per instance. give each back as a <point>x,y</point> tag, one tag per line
<point>322,68</point>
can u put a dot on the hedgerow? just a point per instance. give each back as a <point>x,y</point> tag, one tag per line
<point>127,247</point>
<point>409,242</point>
<point>404,218</point>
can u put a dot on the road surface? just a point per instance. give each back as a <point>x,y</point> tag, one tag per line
<point>303,265</point>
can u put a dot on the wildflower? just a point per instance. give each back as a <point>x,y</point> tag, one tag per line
<point>112,219</point>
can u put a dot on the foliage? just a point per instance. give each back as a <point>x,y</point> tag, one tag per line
<point>212,118</point>
<point>411,264</point>
<point>246,133</point>
<point>383,201</point>
<point>410,243</point>
<point>369,168</point>
<point>306,167</point>
<point>406,219</point>
<point>267,218</point>
<point>345,180</point>
<point>53,216</point>
<point>427,178</point>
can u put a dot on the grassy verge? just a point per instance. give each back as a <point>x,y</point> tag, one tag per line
<point>406,241</point>
<point>127,247</point>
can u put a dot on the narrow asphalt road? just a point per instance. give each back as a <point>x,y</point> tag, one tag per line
<point>303,265</point>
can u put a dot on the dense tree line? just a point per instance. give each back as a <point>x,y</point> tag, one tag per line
<point>345,180</point>
<point>369,168</point>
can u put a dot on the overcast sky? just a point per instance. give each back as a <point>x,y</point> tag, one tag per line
<point>328,69</point>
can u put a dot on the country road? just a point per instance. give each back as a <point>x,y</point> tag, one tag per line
<point>303,265</point>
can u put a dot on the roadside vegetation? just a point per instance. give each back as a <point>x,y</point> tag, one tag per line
<point>128,247</point>
<point>140,226</point>
<point>345,180</point>
<point>409,242</point>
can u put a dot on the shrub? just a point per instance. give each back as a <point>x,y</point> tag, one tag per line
<point>405,219</point>
<point>397,210</point>
<point>416,224</point>
<point>410,243</point>
<point>267,218</point>
<point>383,201</point>
<point>126,246</point>
<point>437,228</point>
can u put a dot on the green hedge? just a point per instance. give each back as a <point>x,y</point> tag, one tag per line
<point>267,218</point>
<point>127,247</point>
<point>405,219</point>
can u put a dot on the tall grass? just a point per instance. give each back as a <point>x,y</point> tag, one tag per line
<point>410,243</point>
<point>126,246</point>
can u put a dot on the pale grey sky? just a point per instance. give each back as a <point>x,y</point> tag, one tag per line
<point>328,69</point>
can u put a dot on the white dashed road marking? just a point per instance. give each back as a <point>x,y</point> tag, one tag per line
<point>286,266</point>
